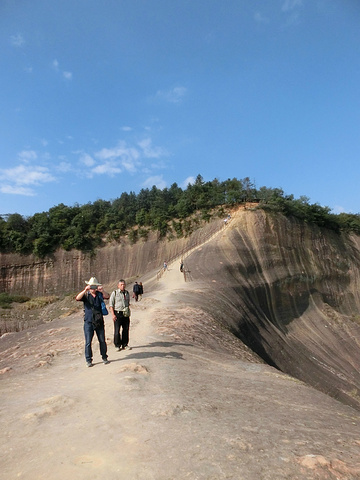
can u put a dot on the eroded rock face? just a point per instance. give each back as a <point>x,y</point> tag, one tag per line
<point>291,293</point>
<point>65,272</point>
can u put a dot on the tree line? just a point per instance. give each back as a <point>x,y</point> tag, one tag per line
<point>170,212</point>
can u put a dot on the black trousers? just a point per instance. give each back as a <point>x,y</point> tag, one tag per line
<point>121,330</point>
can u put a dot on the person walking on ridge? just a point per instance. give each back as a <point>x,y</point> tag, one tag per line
<point>136,291</point>
<point>119,306</point>
<point>92,296</point>
<point>141,292</point>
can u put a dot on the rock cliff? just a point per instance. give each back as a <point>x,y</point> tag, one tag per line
<point>288,290</point>
<point>291,292</point>
<point>65,272</point>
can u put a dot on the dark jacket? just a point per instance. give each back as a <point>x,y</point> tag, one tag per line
<point>91,303</point>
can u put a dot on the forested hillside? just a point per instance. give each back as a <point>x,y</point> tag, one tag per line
<point>167,211</point>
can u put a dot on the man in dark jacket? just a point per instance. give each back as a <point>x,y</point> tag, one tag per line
<point>92,296</point>
<point>136,291</point>
<point>141,290</point>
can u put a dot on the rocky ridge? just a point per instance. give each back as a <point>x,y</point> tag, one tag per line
<point>187,401</point>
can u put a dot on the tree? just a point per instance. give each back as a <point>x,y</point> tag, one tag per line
<point>84,227</point>
<point>16,234</point>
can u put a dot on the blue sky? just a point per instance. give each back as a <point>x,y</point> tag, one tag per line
<point>104,97</point>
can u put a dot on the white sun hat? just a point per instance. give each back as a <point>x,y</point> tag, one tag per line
<point>93,281</point>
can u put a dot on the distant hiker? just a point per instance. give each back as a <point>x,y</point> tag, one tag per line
<point>92,296</point>
<point>141,292</point>
<point>136,291</point>
<point>119,304</point>
<point>165,266</point>
<point>181,266</point>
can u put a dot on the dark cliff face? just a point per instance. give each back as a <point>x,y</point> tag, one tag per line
<point>291,292</point>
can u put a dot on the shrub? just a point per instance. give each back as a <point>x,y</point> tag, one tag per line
<point>39,302</point>
<point>6,299</point>
<point>143,233</point>
<point>133,236</point>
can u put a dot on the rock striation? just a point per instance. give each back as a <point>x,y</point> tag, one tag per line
<point>289,290</point>
<point>65,272</point>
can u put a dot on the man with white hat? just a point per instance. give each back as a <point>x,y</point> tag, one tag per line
<point>92,296</point>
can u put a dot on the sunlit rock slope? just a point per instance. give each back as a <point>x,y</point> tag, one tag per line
<point>291,292</point>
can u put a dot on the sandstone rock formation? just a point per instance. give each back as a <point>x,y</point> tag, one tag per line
<point>188,400</point>
<point>288,290</point>
<point>66,271</point>
<point>291,292</point>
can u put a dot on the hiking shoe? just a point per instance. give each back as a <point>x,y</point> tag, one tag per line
<point>89,364</point>
<point>125,347</point>
<point>106,361</point>
<point>118,349</point>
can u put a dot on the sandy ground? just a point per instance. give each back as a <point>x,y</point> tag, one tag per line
<point>187,401</point>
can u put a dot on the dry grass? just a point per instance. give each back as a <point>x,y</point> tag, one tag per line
<point>39,302</point>
<point>36,311</point>
<point>355,319</point>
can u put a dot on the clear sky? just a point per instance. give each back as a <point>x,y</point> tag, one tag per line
<point>100,97</point>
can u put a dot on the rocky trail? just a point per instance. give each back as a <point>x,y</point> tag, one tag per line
<point>187,401</point>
